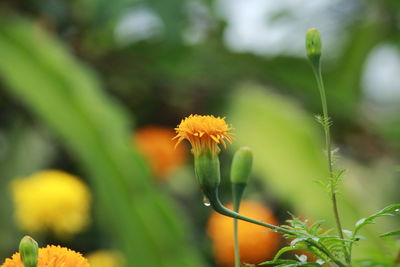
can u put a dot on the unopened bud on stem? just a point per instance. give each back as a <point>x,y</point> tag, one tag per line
<point>241,165</point>
<point>28,249</point>
<point>313,46</point>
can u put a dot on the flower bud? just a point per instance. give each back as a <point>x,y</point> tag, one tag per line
<point>241,165</point>
<point>313,45</point>
<point>206,167</point>
<point>28,249</point>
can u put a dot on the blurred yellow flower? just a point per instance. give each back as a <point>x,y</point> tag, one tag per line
<point>257,244</point>
<point>204,133</point>
<point>51,256</point>
<point>105,258</point>
<point>155,143</point>
<point>51,200</point>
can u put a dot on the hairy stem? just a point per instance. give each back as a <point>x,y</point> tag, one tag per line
<point>326,126</point>
<point>212,195</point>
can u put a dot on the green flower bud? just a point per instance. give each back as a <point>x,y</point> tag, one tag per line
<point>28,249</point>
<point>206,167</point>
<point>313,45</point>
<point>241,165</point>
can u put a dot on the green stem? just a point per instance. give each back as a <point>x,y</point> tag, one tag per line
<point>212,194</point>
<point>237,193</point>
<point>236,242</point>
<point>326,126</point>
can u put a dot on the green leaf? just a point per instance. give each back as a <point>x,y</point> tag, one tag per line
<point>286,249</point>
<point>390,233</point>
<point>387,211</point>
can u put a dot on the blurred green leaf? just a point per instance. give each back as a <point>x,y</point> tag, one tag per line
<point>66,96</point>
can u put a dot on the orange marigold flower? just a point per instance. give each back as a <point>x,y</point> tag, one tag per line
<point>51,256</point>
<point>155,143</point>
<point>257,244</point>
<point>204,132</point>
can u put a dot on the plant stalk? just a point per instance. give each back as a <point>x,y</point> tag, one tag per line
<point>326,126</point>
<point>237,193</point>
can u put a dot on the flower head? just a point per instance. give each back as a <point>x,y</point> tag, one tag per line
<point>156,145</point>
<point>51,256</point>
<point>204,132</point>
<point>51,200</point>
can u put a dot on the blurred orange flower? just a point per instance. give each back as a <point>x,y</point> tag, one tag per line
<point>155,143</point>
<point>257,244</point>
<point>51,256</point>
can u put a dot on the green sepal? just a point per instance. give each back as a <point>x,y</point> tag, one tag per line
<point>207,170</point>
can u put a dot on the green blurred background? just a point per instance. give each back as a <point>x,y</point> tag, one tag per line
<point>78,77</point>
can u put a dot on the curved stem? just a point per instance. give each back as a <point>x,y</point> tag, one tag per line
<point>212,195</point>
<point>326,126</point>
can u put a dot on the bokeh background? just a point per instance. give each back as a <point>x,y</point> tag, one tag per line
<point>87,84</point>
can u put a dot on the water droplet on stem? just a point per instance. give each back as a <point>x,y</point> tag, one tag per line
<point>206,201</point>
